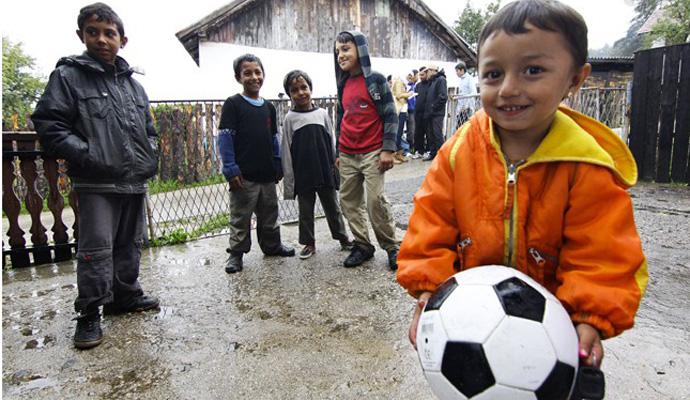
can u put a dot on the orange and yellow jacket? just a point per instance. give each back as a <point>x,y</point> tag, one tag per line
<point>563,216</point>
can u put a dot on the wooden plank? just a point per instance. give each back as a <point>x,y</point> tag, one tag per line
<point>652,113</point>
<point>680,164</point>
<point>637,118</point>
<point>669,90</point>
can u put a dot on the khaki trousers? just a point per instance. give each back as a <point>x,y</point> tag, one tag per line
<point>360,175</point>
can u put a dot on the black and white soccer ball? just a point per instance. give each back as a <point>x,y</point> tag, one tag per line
<point>492,332</point>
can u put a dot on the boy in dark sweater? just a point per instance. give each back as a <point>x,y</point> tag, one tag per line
<point>96,116</point>
<point>366,130</point>
<point>308,153</point>
<point>248,144</point>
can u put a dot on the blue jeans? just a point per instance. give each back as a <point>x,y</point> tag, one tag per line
<point>400,142</point>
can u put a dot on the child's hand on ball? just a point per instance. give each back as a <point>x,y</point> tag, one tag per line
<point>591,351</point>
<point>421,302</point>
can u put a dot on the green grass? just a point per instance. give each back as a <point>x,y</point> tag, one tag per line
<point>179,235</point>
<point>162,186</point>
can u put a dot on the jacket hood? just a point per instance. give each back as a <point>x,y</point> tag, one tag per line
<point>438,74</point>
<point>576,137</point>
<point>86,61</point>
<point>363,55</point>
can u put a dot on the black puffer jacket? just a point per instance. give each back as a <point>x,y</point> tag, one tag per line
<point>436,96</point>
<point>97,118</point>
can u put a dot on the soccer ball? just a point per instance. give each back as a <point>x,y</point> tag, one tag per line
<point>492,332</point>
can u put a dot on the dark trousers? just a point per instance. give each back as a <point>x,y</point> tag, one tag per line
<point>329,202</point>
<point>111,228</point>
<point>260,199</point>
<point>435,134</point>
<point>420,136</point>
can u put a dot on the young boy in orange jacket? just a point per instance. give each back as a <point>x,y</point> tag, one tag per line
<point>533,185</point>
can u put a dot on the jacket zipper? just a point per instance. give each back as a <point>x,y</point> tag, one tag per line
<point>509,212</point>
<point>462,245</point>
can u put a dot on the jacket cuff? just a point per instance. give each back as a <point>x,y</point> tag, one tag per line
<point>231,171</point>
<point>389,145</point>
<point>605,328</point>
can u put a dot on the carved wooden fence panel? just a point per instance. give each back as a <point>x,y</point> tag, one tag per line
<point>29,177</point>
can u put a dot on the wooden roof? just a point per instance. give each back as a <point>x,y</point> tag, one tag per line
<point>191,35</point>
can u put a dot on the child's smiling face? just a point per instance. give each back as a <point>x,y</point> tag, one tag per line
<point>300,94</point>
<point>251,77</point>
<point>524,77</point>
<point>348,59</point>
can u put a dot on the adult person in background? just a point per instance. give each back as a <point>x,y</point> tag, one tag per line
<point>400,95</point>
<point>420,139</point>
<point>466,87</point>
<point>435,109</point>
<point>411,103</point>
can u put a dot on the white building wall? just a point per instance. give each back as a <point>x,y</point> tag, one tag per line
<point>218,78</point>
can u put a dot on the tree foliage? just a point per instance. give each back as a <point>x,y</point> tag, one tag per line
<point>21,85</point>
<point>471,21</point>
<point>674,26</point>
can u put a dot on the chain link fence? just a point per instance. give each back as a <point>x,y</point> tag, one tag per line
<point>190,199</point>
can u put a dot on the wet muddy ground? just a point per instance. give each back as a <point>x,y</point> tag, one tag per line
<point>294,329</point>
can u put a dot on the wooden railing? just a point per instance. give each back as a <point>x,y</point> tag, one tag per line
<point>26,173</point>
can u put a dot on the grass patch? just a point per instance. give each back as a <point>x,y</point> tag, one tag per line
<point>169,185</point>
<point>180,235</point>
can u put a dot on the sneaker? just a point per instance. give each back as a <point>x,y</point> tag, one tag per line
<point>137,304</point>
<point>234,263</point>
<point>346,245</point>
<point>283,251</point>
<point>396,160</point>
<point>88,333</point>
<point>415,156</point>
<point>428,157</point>
<point>393,259</point>
<point>307,252</point>
<point>357,256</point>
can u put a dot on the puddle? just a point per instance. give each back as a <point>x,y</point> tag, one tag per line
<point>165,312</point>
<point>35,384</point>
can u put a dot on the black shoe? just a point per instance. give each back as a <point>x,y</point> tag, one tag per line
<point>346,245</point>
<point>234,263</point>
<point>283,251</point>
<point>136,304</point>
<point>88,333</point>
<point>393,259</point>
<point>357,257</point>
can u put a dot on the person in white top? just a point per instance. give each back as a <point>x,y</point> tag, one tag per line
<point>466,87</point>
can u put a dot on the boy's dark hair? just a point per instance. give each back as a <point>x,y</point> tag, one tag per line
<point>461,65</point>
<point>548,15</point>
<point>422,69</point>
<point>414,72</point>
<point>237,64</point>
<point>294,75</point>
<point>103,12</point>
<point>344,37</point>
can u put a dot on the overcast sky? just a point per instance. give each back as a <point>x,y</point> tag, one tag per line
<point>47,30</point>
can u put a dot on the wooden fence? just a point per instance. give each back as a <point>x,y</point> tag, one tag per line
<point>660,121</point>
<point>29,175</point>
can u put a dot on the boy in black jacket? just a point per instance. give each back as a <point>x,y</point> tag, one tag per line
<point>248,144</point>
<point>96,116</point>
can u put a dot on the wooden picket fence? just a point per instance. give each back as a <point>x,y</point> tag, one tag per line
<point>660,122</point>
